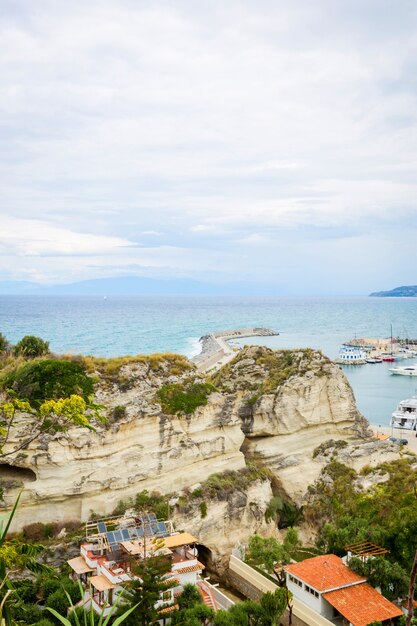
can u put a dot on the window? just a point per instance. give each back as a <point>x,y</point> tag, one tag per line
<point>296,581</point>
<point>312,591</point>
<point>166,596</point>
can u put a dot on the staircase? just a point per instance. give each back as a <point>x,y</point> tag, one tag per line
<point>207,596</point>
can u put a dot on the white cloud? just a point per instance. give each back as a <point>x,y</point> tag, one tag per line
<point>206,125</point>
<point>37,238</point>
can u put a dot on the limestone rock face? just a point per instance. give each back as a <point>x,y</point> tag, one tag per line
<point>272,406</point>
<point>229,522</point>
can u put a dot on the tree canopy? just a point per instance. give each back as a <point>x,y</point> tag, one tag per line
<point>49,379</point>
<point>31,347</point>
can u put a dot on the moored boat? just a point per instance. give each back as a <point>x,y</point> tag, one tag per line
<point>410,370</point>
<point>405,415</point>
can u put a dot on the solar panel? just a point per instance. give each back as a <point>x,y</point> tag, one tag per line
<point>163,530</point>
<point>110,537</point>
<point>139,531</point>
<point>152,517</point>
<point>154,528</point>
<point>118,536</point>
<point>126,535</point>
<point>102,527</point>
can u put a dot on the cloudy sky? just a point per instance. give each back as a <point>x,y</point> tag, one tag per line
<point>265,142</point>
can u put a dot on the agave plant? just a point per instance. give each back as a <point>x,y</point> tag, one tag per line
<point>88,617</point>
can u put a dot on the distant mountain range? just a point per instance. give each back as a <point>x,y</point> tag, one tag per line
<point>129,286</point>
<point>408,291</point>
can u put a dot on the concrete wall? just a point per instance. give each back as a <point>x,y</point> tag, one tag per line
<point>304,596</point>
<point>253,584</point>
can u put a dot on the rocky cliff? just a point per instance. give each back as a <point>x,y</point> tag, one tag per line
<point>274,407</point>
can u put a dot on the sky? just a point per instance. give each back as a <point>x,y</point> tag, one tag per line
<point>263,142</point>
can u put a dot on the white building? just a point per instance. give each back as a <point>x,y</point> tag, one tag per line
<point>337,593</point>
<point>352,355</point>
<point>112,545</point>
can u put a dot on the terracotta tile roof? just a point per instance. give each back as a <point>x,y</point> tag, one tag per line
<point>361,604</point>
<point>191,568</point>
<point>324,572</point>
<point>168,609</point>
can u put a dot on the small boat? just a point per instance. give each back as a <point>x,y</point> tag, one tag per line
<point>405,415</point>
<point>371,360</point>
<point>388,359</point>
<point>410,370</point>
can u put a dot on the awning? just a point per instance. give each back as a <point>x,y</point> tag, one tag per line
<point>133,547</point>
<point>174,541</point>
<point>79,565</point>
<point>101,583</point>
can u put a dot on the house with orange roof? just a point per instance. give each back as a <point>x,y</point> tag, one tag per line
<point>337,593</point>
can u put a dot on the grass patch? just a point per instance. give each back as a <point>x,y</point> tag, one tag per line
<point>144,501</point>
<point>184,397</point>
<point>324,447</point>
<point>268,372</point>
<point>222,485</point>
<point>167,364</point>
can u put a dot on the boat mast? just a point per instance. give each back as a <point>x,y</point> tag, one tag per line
<point>391,339</point>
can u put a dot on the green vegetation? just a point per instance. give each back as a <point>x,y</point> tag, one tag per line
<point>385,515</point>
<point>192,611</point>
<point>184,397</point>
<point>264,553</point>
<point>31,347</point>
<point>331,444</point>
<point>118,412</point>
<point>49,379</point>
<point>167,364</point>
<point>380,572</point>
<point>267,612</point>
<point>142,593</point>
<point>4,344</point>
<point>222,485</point>
<point>52,416</point>
<point>37,531</point>
<point>145,501</point>
<point>285,513</point>
<point>275,368</point>
<point>203,509</point>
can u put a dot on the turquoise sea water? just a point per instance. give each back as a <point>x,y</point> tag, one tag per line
<point>133,325</point>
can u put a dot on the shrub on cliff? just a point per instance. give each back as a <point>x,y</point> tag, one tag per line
<point>184,398</point>
<point>4,344</point>
<point>31,347</point>
<point>49,379</point>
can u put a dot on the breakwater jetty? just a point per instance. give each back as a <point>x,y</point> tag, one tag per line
<point>215,351</point>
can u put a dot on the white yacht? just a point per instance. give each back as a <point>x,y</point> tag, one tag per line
<point>409,370</point>
<point>405,415</point>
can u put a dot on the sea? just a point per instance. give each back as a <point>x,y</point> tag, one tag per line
<point>113,326</point>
